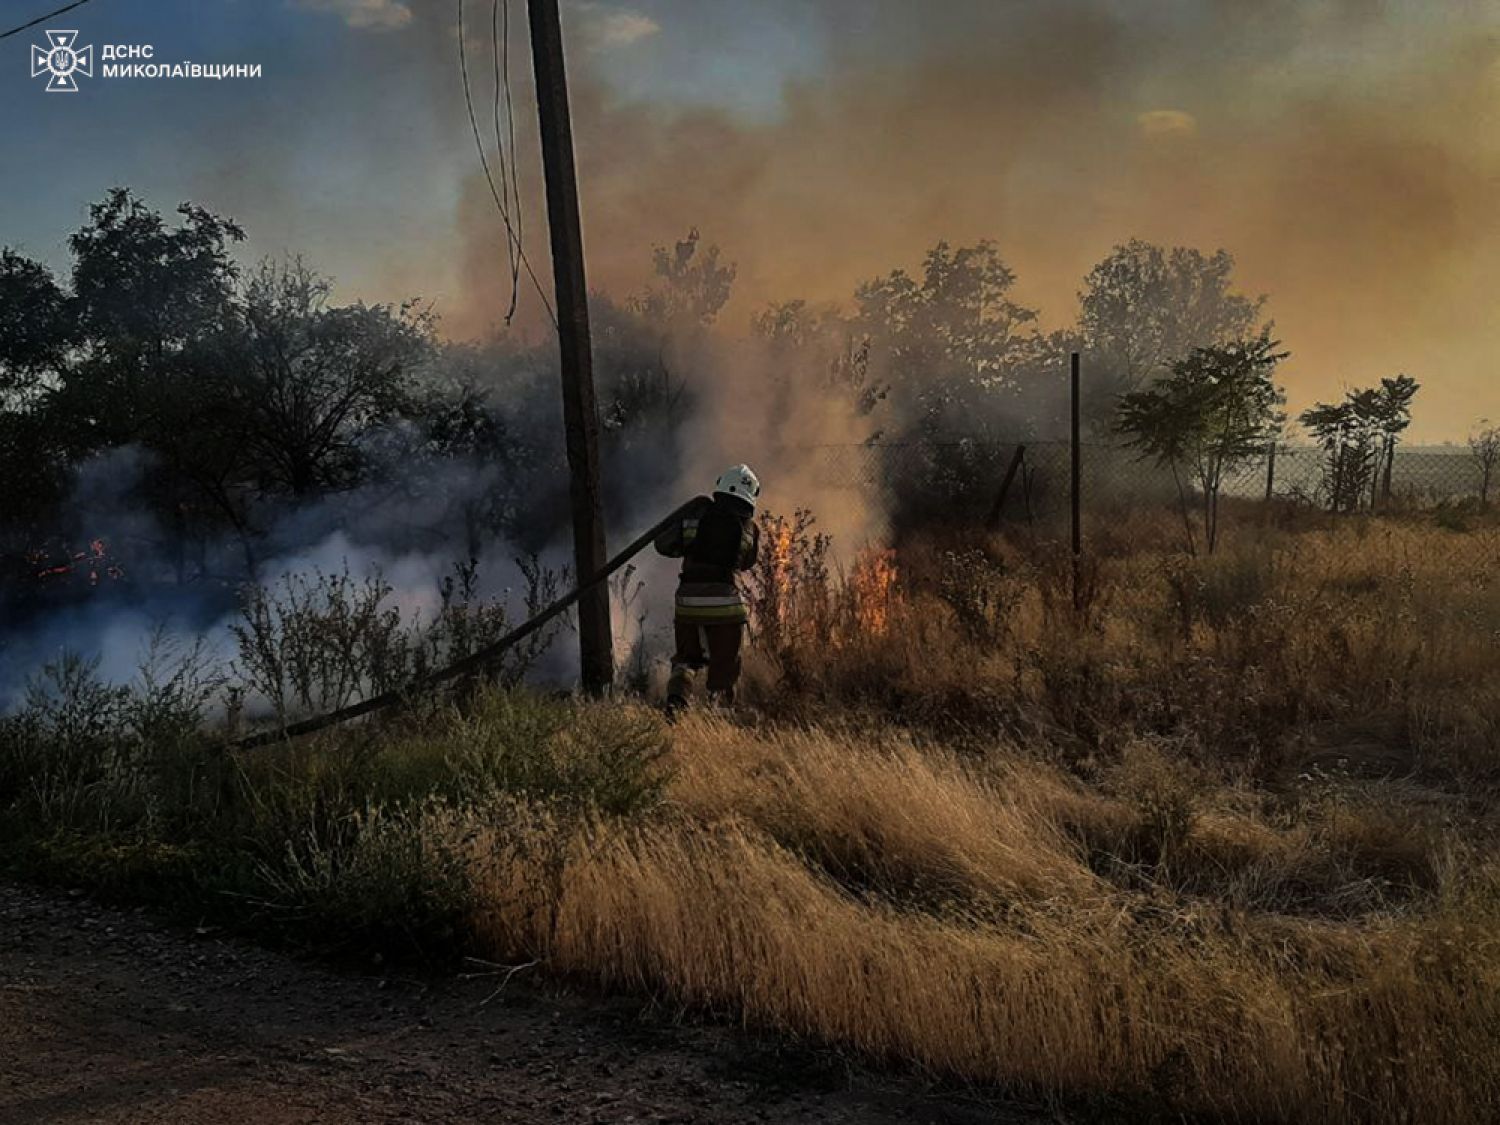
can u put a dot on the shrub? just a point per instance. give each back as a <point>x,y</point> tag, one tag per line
<point>595,757</point>
<point>318,642</point>
<point>1217,591</point>
<point>83,752</point>
<point>393,880</point>
<point>981,593</point>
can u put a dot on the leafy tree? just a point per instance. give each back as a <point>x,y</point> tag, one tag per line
<point>1217,408</point>
<point>36,329</point>
<point>1388,408</point>
<point>960,365</point>
<point>139,282</point>
<point>820,346</point>
<point>1144,307</point>
<point>689,286</point>
<point>642,344</point>
<point>1349,448</point>
<point>1359,437</point>
<point>794,325</point>
<point>634,363</point>
<point>302,383</point>
<point>143,294</point>
<point>37,334</point>
<point>952,343</point>
<point>232,395</point>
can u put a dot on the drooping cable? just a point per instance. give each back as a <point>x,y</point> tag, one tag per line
<point>509,196</point>
<point>42,19</point>
<point>489,176</point>
<point>510,118</point>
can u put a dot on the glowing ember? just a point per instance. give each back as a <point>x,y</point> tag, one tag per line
<point>94,562</point>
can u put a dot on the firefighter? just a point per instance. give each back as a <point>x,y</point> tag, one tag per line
<point>715,537</point>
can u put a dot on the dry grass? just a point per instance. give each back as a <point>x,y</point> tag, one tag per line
<point>1223,843</point>
<point>892,901</point>
<point>1103,889</point>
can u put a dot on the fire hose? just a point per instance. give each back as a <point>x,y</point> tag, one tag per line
<point>474,662</point>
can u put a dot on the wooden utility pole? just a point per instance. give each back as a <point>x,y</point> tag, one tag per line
<point>580,414</point>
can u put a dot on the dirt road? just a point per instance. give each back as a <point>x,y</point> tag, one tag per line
<point>107,1016</point>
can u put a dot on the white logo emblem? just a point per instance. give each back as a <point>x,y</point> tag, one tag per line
<point>62,62</point>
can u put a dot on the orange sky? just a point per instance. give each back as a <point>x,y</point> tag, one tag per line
<point>1347,152</point>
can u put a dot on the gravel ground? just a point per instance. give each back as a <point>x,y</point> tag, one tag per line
<point>107,1015</point>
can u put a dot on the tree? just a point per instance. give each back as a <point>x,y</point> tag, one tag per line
<point>36,329</point>
<point>138,281</point>
<point>1217,407</point>
<point>689,287</point>
<point>953,343</point>
<point>1344,431</point>
<point>1485,446</point>
<point>1389,411</point>
<point>956,358</point>
<point>102,366</point>
<point>301,384</point>
<point>143,294</point>
<point>1143,308</point>
<point>803,340</point>
<point>37,334</point>
<point>1359,437</point>
<point>638,345</point>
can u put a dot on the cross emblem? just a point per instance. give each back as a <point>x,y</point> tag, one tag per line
<point>62,61</point>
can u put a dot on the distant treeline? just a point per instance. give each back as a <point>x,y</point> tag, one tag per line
<point>200,417</point>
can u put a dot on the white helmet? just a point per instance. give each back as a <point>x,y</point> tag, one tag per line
<point>738,481</point>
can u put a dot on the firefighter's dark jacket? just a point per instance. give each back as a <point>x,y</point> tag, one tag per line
<point>715,537</point>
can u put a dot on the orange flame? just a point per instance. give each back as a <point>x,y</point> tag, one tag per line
<point>781,549</point>
<point>779,573</point>
<point>872,584</point>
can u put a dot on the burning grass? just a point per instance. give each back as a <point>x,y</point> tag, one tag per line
<point>1220,843</point>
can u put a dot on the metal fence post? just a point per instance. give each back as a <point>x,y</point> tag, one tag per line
<point>1271,473</point>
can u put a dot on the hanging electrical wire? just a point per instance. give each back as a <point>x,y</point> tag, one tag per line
<point>510,189</point>
<point>43,19</point>
<point>511,244</point>
<point>513,240</point>
<point>510,120</point>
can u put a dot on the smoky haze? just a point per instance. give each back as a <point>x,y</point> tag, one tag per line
<point>1346,153</point>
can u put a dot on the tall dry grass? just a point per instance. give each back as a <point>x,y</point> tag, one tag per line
<point>901,904</point>
<point>1222,842</point>
<point>1214,846</point>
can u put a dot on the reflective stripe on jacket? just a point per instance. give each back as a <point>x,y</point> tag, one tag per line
<point>710,603</point>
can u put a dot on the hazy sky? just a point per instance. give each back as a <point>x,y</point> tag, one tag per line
<point>1346,151</point>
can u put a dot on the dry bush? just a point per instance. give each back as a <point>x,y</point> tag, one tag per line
<point>317,642</point>
<point>1255,657</point>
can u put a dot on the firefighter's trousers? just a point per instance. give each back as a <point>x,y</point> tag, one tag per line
<point>713,646</point>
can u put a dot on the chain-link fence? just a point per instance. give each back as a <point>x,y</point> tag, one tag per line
<point>961,479</point>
